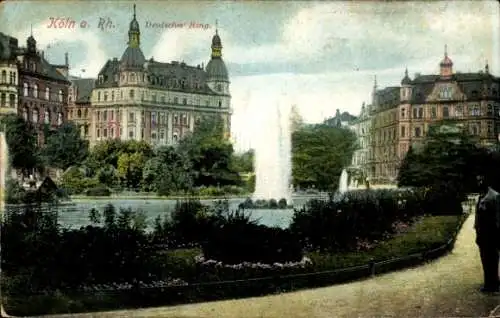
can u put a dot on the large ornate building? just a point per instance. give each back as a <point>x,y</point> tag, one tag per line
<point>139,99</point>
<point>43,90</point>
<point>400,116</point>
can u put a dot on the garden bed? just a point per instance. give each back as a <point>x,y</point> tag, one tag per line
<point>429,232</point>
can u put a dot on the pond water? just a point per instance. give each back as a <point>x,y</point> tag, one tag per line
<point>76,214</point>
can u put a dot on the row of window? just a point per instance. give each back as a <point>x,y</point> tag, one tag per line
<point>474,110</point>
<point>173,82</point>
<point>35,93</point>
<point>474,129</point>
<point>131,134</point>
<point>79,113</point>
<point>10,103</point>
<point>154,98</point>
<point>157,118</point>
<point>35,116</point>
<point>12,78</point>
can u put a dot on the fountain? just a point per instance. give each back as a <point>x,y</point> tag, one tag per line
<point>273,159</point>
<point>343,182</point>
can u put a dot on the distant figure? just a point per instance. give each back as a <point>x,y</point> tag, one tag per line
<point>487,225</point>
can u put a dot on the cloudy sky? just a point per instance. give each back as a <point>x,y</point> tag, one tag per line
<point>318,55</point>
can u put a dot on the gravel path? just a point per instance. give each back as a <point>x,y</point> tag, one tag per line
<point>447,287</point>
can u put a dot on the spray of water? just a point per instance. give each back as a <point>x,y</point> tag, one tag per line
<point>343,181</point>
<point>273,159</point>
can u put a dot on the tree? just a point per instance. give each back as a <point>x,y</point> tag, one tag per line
<point>210,154</point>
<point>319,153</point>
<point>65,147</point>
<point>243,163</point>
<point>21,142</point>
<point>130,168</point>
<point>446,161</point>
<point>168,171</point>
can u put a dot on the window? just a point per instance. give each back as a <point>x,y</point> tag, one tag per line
<point>153,97</point>
<point>132,77</point>
<point>46,117</point>
<point>490,110</point>
<point>403,112</point>
<point>105,133</point>
<point>219,87</point>
<point>474,129</point>
<point>420,112</point>
<point>176,100</point>
<point>184,101</point>
<point>47,93</point>
<point>113,95</point>
<point>418,132</point>
<point>12,100</point>
<point>220,104</point>
<point>4,77</point>
<point>162,134</point>
<point>85,113</point>
<point>25,112</point>
<point>445,92</point>
<point>13,78</point>
<point>60,95</point>
<point>459,111</point>
<point>25,89</point>
<point>490,128</point>
<point>131,93</point>
<point>98,133</point>
<point>3,99</point>
<point>131,133</point>
<point>433,112</point>
<point>35,116</point>
<point>105,115</point>
<point>446,112</point>
<point>99,96</point>
<point>163,99</point>
<point>153,136</point>
<point>142,133</point>
<point>112,114</point>
<point>403,131</point>
<point>60,119</point>
<point>415,112</point>
<point>153,119</point>
<point>475,111</point>
<point>175,137</point>
<point>131,116</point>
<point>86,130</point>
<point>112,133</point>
<point>176,119</point>
<point>207,103</point>
<point>121,131</point>
<point>121,94</point>
<point>105,96</point>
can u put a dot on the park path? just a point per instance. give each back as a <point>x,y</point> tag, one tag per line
<point>447,287</point>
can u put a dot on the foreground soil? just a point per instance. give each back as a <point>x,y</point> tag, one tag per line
<point>447,287</point>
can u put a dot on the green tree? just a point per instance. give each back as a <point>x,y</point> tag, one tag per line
<point>130,168</point>
<point>21,142</point>
<point>447,159</point>
<point>319,153</point>
<point>168,171</point>
<point>210,154</point>
<point>65,147</point>
<point>243,163</point>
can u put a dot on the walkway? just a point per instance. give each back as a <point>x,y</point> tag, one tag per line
<point>444,288</point>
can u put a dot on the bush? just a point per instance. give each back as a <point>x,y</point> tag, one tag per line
<point>239,239</point>
<point>99,191</point>
<point>282,204</point>
<point>339,224</point>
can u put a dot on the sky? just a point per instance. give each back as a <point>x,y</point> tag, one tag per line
<point>320,56</point>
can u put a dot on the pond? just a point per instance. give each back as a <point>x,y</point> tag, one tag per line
<point>76,214</point>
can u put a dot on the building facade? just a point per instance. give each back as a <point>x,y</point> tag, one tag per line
<point>9,75</point>
<point>400,117</point>
<point>362,128</point>
<point>79,105</point>
<point>139,99</point>
<point>43,90</point>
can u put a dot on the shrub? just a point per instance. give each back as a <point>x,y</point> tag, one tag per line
<point>363,215</point>
<point>282,204</point>
<point>98,191</point>
<point>239,239</point>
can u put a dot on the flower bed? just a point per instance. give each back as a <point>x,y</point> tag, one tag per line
<point>201,261</point>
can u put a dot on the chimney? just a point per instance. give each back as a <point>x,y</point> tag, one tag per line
<point>43,55</point>
<point>66,61</point>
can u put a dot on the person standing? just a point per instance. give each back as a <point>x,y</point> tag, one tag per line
<point>487,234</point>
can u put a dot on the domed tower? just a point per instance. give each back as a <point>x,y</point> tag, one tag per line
<point>446,65</point>
<point>132,61</point>
<point>217,75</point>
<point>406,87</point>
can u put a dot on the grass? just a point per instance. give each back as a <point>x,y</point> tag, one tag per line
<point>155,197</point>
